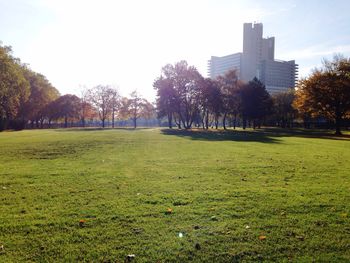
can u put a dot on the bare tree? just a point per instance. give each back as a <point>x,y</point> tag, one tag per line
<point>103,99</point>
<point>115,103</point>
<point>84,105</point>
<point>136,107</point>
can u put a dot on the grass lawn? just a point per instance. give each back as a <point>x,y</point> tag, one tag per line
<point>100,195</point>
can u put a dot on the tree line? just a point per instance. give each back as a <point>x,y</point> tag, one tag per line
<point>187,99</point>
<point>27,99</point>
<point>184,99</point>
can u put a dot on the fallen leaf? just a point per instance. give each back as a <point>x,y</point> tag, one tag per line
<point>82,222</point>
<point>262,237</point>
<point>168,211</point>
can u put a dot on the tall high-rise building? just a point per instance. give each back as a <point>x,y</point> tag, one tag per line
<point>257,60</point>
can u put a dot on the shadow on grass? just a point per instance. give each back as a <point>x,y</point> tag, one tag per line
<point>264,135</point>
<point>223,135</point>
<point>87,129</point>
<point>305,133</point>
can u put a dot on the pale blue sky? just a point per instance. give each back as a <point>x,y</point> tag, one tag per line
<point>125,43</point>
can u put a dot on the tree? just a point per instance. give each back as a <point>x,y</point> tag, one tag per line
<point>135,107</point>
<point>87,110</point>
<point>256,102</point>
<point>229,86</point>
<point>103,99</point>
<point>124,109</point>
<point>14,88</point>
<point>185,81</point>
<point>41,94</point>
<point>166,98</point>
<point>148,110</point>
<point>67,107</point>
<point>210,102</point>
<point>283,110</point>
<point>115,103</point>
<point>51,111</point>
<point>326,92</point>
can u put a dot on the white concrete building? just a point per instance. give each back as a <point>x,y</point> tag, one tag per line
<point>257,60</point>
<point>219,65</point>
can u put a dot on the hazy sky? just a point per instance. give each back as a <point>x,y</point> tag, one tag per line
<point>125,43</point>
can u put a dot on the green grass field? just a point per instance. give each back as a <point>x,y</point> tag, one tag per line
<point>235,196</point>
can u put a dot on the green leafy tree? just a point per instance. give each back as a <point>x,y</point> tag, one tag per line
<point>283,111</point>
<point>14,88</point>
<point>67,107</point>
<point>51,112</point>
<point>256,103</point>
<point>41,94</point>
<point>231,103</point>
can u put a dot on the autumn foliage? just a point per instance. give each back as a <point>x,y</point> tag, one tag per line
<point>326,92</point>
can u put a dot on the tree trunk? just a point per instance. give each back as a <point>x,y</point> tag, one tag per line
<point>4,123</point>
<point>338,126</point>
<point>244,123</point>
<point>235,121</point>
<point>134,119</point>
<point>207,120</point>
<point>224,121</point>
<point>170,121</point>
<point>177,122</point>
<point>103,123</point>
<point>113,118</point>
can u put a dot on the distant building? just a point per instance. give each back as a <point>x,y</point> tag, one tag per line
<point>257,60</point>
<point>219,65</point>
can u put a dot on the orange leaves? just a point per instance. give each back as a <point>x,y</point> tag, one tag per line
<point>169,211</point>
<point>262,237</point>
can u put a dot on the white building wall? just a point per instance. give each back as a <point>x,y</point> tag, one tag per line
<point>220,65</point>
<point>257,60</point>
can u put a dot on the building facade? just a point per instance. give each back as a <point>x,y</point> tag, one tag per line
<point>219,65</point>
<point>257,60</point>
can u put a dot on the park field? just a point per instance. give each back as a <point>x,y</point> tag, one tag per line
<point>174,196</point>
